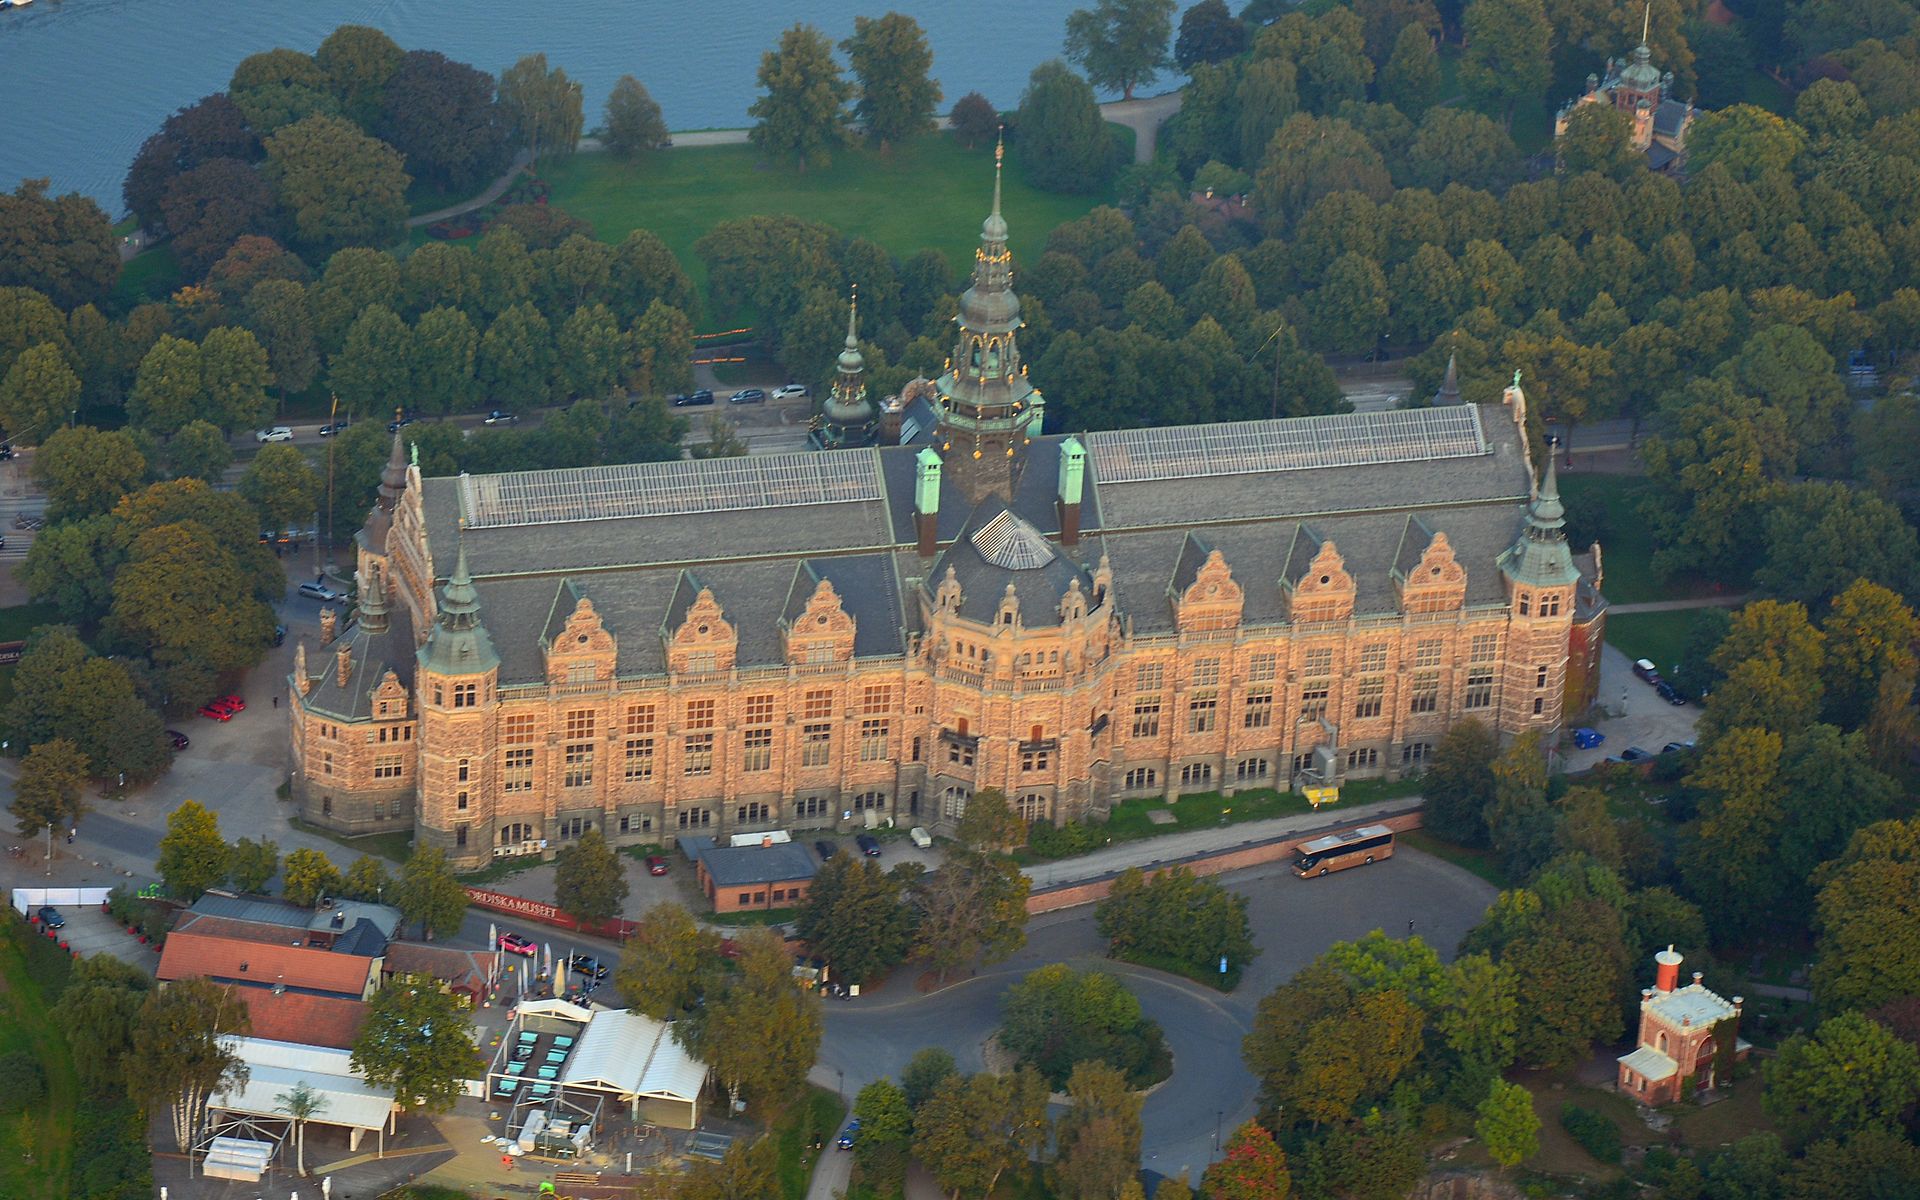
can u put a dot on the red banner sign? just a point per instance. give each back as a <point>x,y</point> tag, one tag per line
<point>546,914</point>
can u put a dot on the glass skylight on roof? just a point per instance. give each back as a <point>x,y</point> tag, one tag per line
<point>669,488</point>
<point>1007,541</point>
<point>1292,444</point>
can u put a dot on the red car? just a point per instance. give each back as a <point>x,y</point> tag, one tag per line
<point>513,943</point>
<point>656,865</point>
<point>232,704</point>
<point>216,714</point>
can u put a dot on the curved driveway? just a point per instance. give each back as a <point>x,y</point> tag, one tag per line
<point>1293,919</point>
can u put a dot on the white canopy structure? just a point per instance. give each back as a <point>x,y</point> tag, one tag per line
<point>276,1068</point>
<point>635,1058</point>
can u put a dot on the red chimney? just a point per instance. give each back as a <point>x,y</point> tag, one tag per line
<point>1666,975</point>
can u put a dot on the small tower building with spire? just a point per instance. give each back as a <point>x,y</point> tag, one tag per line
<point>1636,87</point>
<point>847,418</point>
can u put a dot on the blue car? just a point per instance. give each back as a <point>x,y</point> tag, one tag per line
<point>1587,739</point>
<point>849,1135</point>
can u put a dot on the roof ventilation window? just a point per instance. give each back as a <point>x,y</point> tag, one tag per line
<point>1007,541</point>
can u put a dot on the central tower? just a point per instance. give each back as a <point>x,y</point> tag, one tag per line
<point>986,403</point>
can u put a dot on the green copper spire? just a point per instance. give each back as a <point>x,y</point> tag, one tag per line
<point>459,644</point>
<point>847,417</point>
<point>1540,557</point>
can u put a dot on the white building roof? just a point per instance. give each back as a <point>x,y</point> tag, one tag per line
<point>554,1008</point>
<point>1649,1063</point>
<point>1692,1005</point>
<point>275,1068</point>
<point>625,1052</point>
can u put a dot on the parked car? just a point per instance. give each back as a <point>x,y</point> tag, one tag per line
<point>1676,747</point>
<point>336,427</point>
<point>1635,754</point>
<point>400,422</point>
<point>869,845</point>
<point>1671,694</point>
<point>216,714</point>
<point>1587,739</point>
<point>51,918</point>
<point>1645,669</point>
<point>921,837</point>
<point>849,1135</point>
<point>279,433</point>
<point>231,702</point>
<point>793,391</point>
<point>177,740</point>
<point>690,399</point>
<point>321,592</point>
<point>513,943</point>
<point>748,396</point>
<point>588,965</point>
<point>497,417</point>
<point>825,849</point>
<point>656,865</point>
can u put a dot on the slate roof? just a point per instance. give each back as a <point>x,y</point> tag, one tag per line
<point>740,866</point>
<point>1669,117</point>
<point>374,654</point>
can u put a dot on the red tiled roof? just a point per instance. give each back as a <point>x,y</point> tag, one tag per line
<point>461,968</point>
<point>307,1020</point>
<point>196,956</point>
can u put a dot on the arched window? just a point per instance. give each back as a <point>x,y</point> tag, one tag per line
<point>1033,807</point>
<point>515,833</point>
<point>953,802</point>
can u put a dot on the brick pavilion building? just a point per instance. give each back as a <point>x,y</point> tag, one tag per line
<point>798,640</point>
<point>1687,1035</point>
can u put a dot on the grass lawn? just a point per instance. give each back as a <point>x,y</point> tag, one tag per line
<point>1480,862</point>
<point>394,846</point>
<point>1660,636</point>
<point>932,193</point>
<point>1764,91</point>
<point>769,916</point>
<point>150,275</point>
<point>17,621</point>
<point>815,1117</point>
<point>1606,507</point>
<point>39,1144</point>
<point>1726,1121</point>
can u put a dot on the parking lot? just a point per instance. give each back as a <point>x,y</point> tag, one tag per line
<point>1630,713</point>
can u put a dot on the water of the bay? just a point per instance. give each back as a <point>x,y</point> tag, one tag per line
<point>83,82</point>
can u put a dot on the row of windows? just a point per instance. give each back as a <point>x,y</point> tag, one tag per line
<point>1316,661</point>
<point>1203,708</point>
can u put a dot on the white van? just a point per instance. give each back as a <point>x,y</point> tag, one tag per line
<point>921,837</point>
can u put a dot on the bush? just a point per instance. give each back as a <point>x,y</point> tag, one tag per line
<point>110,1158</point>
<point>1058,1017</point>
<point>26,1082</point>
<point>1045,840</point>
<point>1596,1135</point>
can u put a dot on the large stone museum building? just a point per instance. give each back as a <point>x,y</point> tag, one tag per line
<point>799,640</point>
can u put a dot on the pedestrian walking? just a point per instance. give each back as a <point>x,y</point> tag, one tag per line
<point>1409,928</point>
<point>276,701</point>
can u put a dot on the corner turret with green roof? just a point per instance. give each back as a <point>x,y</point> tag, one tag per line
<point>459,644</point>
<point>847,418</point>
<point>1540,556</point>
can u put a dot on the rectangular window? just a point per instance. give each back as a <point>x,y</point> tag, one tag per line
<point>756,750</point>
<point>639,720</point>
<point>960,753</point>
<point>1142,777</point>
<point>1149,677</point>
<point>1261,668</point>
<point>750,813</point>
<point>579,765</point>
<point>460,802</point>
<point>1194,773</point>
<point>816,744</point>
<point>1313,699</point>
<point>1415,752</point>
<point>1260,706</point>
<point>1540,677</point>
<point>758,711</point>
<point>459,835</point>
<point>876,699</point>
<point>326,762</point>
<point>1480,687</point>
<point>1319,661</point>
<point>1206,673</point>
<point>1427,653</point>
<point>699,754</point>
<point>1146,716</point>
<point>1550,604</point>
<point>695,818</point>
<point>810,806</point>
<point>639,759</point>
<point>1035,760</point>
<point>700,714</point>
<point>461,770</point>
<point>702,662</point>
<point>572,827</point>
<point>1484,647</point>
<point>1426,692</point>
<point>817,706</point>
<point>1203,712</point>
<point>1373,659</point>
<point>466,695</point>
<point>387,766</point>
<point>1358,759</point>
<point>518,730</point>
<point>580,725</point>
<point>1539,705</point>
<point>1247,770</point>
<point>517,775</point>
<point>1368,702</point>
<point>874,737</point>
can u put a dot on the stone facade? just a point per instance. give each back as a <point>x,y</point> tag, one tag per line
<point>812,641</point>
<point>1680,1037</point>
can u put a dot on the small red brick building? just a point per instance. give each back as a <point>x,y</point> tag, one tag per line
<point>748,878</point>
<point>1680,1032</point>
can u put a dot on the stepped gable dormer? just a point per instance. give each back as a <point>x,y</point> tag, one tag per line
<point>578,645</point>
<point>1203,590</point>
<point>815,626</point>
<point>697,634</point>
<point>1315,579</point>
<point>1426,575</point>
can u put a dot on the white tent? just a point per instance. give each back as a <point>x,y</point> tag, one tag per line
<point>276,1068</point>
<point>635,1057</point>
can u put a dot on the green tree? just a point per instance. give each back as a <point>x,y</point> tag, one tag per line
<point>1869,937</point>
<point>429,895</point>
<point>1253,1167</point>
<point>193,602</point>
<point>1350,310</point>
<point>671,964</point>
<point>375,365</point>
<point>974,1129</point>
<point>62,247</point>
<point>1175,918</point>
<point>1308,1050</point>
<point>235,373</point>
<point>338,186</point>
<point>64,690</point>
<point>891,60</point>
<point>1850,1075</point>
<point>1454,145</point>
<point>282,485</point>
<point>444,346</point>
<point>886,1127</point>
<point>855,918</point>
<point>542,106</point>
<point>167,390</point>
<point>802,118</point>
<point>308,875</point>
<point>85,471</point>
<point>355,280</point>
<point>1268,94</point>
<point>973,907</point>
<point>1097,1140</point>
<point>1411,80</point>
<point>1713,471</point>
<point>1312,157</point>
<point>1479,1021</point>
<point>722,439</point>
<point>749,1169</point>
<point>38,394</point>
<point>1056,1018</point>
<point>924,1073</point>
<point>1459,783</point>
<point>515,360</point>
<point>182,1041</point>
<point>634,124</point>
<point>302,1104</point>
<point>1868,636</point>
<point>1121,44</point>
<point>1876,1162</point>
<point>588,883</point>
<point>1063,140</point>
<point>592,352</point>
<point>760,1034</point>
<point>989,825</point>
<point>48,792</point>
<point>358,60</point>
<point>1808,515</point>
<point>1209,33</point>
<point>1745,139</point>
<point>366,879</point>
<point>418,1041</point>
<point>1508,55</point>
<point>98,1010</point>
<point>278,314</point>
<point>1599,137</point>
<point>193,855</point>
<point>250,864</point>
